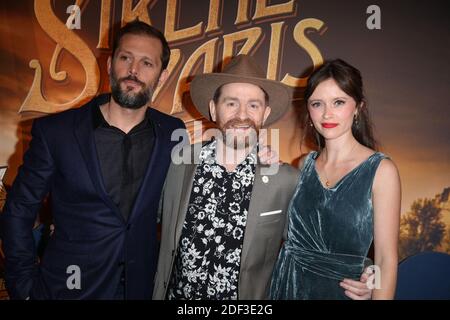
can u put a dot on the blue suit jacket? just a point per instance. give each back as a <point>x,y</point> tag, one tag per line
<point>90,232</point>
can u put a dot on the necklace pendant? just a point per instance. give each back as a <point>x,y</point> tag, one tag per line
<point>327,184</point>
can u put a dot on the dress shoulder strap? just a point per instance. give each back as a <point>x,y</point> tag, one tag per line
<point>372,165</point>
<point>309,159</point>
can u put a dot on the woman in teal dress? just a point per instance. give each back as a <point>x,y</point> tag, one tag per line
<point>347,197</point>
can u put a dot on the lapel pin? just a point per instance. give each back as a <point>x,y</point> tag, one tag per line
<point>265,179</point>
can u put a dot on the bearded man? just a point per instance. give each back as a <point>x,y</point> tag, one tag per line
<point>104,165</point>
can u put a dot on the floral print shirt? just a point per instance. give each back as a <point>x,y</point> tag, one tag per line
<point>209,252</point>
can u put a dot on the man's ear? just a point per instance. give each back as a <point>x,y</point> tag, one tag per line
<point>108,64</point>
<point>163,77</point>
<point>212,110</point>
<point>266,114</point>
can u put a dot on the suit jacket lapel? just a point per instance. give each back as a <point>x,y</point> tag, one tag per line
<point>188,181</point>
<point>257,205</point>
<point>84,134</point>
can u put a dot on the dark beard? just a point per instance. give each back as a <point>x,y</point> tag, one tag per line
<point>249,140</point>
<point>127,99</point>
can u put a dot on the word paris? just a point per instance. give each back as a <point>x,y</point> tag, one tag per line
<point>254,25</point>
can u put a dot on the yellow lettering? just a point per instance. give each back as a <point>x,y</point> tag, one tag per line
<point>170,32</point>
<point>213,17</point>
<point>242,14</point>
<point>207,51</point>
<point>175,57</point>
<point>140,11</point>
<point>274,50</point>
<point>310,48</point>
<point>250,36</point>
<point>105,18</point>
<point>65,39</point>
<point>263,10</point>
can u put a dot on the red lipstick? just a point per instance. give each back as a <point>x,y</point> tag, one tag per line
<point>327,125</point>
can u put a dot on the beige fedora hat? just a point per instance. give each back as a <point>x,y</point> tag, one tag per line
<point>241,69</point>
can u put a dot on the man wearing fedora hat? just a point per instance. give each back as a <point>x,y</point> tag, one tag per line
<point>223,220</point>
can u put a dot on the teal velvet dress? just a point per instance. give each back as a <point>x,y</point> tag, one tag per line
<point>330,232</point>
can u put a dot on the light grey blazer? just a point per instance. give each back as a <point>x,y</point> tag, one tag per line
<point>266,222</point>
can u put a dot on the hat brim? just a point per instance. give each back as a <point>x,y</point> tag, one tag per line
<point>204,86</point>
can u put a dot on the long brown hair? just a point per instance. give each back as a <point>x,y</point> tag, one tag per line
<point>349,80</point>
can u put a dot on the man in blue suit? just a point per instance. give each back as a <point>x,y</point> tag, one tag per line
<point>104,165</point>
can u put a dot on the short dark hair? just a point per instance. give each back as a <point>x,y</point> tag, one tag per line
<point>137,27</point>
<point>218,92</point>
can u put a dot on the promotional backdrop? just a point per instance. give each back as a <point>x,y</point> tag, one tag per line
<point>53,58</point>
